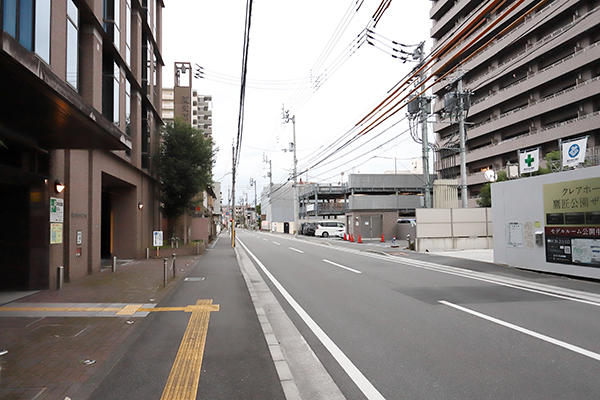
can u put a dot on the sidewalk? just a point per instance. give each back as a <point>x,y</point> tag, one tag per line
<point>62,343</point>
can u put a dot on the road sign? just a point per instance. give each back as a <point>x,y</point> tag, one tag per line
<point>158,238</point>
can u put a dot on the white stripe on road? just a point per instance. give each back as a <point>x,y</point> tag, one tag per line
<point>265,239</point>
<point>548,339</point>
<point>354,373</point>
<point>299,251</point>
<point>277,243</point>
<point>341,266</point>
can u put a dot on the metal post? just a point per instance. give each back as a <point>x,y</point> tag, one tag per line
<point>408,240</point>
<point>114,264</point>
<point>165,261</point>
<point>60,277</point>
<point>463,151</point>
<point>147,253</point>
<point>173,264</point>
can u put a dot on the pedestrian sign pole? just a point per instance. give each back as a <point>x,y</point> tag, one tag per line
<point>157,241</point>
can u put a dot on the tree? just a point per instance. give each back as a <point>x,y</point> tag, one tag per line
<point>184,165</point>
<point>485,194</point>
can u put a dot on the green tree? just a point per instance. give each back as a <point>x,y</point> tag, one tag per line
<point>485,194</point>
<point>553,163</point>
<point>184,165</point>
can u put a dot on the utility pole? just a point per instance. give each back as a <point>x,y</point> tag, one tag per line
<point>233,197</point>
<point>287,118</point>
<point>253,183</point>
<point>463,152</point>
<point>424,105</point>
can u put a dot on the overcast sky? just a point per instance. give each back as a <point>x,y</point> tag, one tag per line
<point>306,55</point>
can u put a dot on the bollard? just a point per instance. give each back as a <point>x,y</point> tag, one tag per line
<point>147,253</point>
<point>173,264</point>
<point>114,264</point>
<point>408,240</point>
<point>165,261</point>
<point>197,248</point>
<point>60,277</point>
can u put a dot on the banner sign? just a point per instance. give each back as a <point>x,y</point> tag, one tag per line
<point>573,152</point>
<point>529,161</point>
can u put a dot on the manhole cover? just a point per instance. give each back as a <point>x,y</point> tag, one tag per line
<point>194,279</point>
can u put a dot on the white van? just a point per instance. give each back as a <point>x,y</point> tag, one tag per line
<point>330,228</point>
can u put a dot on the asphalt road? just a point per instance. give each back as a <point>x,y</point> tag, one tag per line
<point>410,327</point>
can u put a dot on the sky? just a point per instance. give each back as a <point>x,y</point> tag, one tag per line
<point>310,57</point>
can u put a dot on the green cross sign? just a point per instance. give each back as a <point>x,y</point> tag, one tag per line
<point>529,160</point>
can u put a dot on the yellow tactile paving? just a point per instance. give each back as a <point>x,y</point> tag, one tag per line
<point>185,373</point>
<point>129,309</point>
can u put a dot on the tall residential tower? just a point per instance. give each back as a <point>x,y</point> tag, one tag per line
<point>530,76</point>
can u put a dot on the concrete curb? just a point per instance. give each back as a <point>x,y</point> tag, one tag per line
<point>301,373</point>
<point>290,388</point>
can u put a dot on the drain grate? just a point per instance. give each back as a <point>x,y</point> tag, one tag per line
<point>194,279</point>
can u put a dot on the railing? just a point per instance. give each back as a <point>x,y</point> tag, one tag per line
<point>534,74</point>
<point>534,46</point>
<point>534,103</point>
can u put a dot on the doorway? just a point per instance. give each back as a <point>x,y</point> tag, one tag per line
<point>371,226</point>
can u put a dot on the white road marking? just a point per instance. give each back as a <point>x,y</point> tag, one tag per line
<point>277,243</point>
<point>354,373</point>
<point>341,266</point>
<point>299,251</point>
<point>548,339</point>
<point>265,239</point>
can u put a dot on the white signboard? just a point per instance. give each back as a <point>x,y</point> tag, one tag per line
<point>57,209</point>
<point>573,152</point>
<point>529,161</point>
<point>157,239</point>
<point>514,234</point>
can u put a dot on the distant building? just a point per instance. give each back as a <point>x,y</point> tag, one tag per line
<point>200,116</point>
<point>201,221</point>
<point>80,90</point>
<point>532,85</point>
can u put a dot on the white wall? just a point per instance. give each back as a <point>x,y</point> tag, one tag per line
<point>453,228</point>
<point>522,201</point>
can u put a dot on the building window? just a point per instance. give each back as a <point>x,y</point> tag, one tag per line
<point>112,20</point>
<point>116,94</point>
<point>127,107</point>
<point>42,29</point>
<point>19,22</point>
<point>72,44</point>
<point>128,32</point>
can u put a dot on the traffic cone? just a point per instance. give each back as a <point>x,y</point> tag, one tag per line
<point>359,241</point>
<point>344,236</point>
<point>352,237</point>
<point>382,239</point>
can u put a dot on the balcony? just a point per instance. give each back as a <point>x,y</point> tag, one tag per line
<point>548,133</point>
<point>568,64</point>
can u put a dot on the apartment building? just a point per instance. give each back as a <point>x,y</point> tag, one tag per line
<point>530,75</point>
<point>80,91</point>
<point>201,221</point>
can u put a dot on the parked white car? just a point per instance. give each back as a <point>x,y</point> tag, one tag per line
<point>330,228</point>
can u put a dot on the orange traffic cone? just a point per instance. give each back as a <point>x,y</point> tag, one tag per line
<point>359,241</point>
<point>352,237</point>
<point>344,236</point>
<point>382,239</point>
